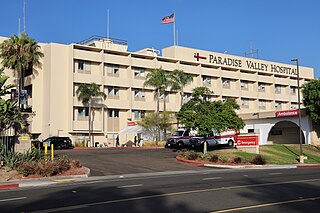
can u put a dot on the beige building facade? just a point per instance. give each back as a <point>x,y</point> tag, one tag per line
<point>258,86</point>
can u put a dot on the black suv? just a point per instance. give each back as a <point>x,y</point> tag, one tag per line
<point>58,142</point>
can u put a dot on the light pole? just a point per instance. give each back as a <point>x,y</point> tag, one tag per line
<point>301,158</point>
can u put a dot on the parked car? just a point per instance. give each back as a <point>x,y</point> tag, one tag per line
<point>179,139</point>
<point>228,138</point>
<point>58,142</point>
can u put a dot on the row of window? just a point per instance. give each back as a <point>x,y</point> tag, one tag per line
<point>109,69</point>
<point>83,113</point>
<point>263,104</point>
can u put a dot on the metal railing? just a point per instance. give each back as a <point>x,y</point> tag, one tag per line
<point>101,38</point>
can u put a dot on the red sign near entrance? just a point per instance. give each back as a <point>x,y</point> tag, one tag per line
<point>287,113</point>
<point>247,140</point>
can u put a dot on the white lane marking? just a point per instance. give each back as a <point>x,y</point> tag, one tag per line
<point>245,175</point>
<point>97,181</point>
<point>275,173</point>
<point>170,194</point>
<point>129,186</point>
<point>11,199</point>
<point>213,178</point>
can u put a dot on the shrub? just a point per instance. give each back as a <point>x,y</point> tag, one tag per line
<point>237,160</point>
<point>258,160</point>
<point>212,158</point>
<point>12,159</point>
<point>75,164</point>
<point>189,155</point>
<point>44,168</point>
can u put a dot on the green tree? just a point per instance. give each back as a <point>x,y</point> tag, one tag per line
<point>158,79</point>
<point>149,122</point>
<point>9,114</point>
<point>179,80</point>
<point>20,53</point>
<point>86,93</point>
<point>311,99</point>
<point>204,115</point>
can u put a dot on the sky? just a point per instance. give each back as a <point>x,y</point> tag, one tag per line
<point>279,29</point>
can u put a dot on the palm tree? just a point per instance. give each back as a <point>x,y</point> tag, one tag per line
<point>158,79</point>
<point>179,80</point>
<point>20,53</point>
<point>85,93</point>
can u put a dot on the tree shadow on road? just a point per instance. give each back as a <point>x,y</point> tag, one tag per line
<point>98,199</point>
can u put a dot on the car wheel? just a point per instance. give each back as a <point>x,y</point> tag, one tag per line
<point>180,145</point>
<point>230,143</point>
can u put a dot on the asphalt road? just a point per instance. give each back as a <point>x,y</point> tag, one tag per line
<point>116,161</point>
<point>285,190</point>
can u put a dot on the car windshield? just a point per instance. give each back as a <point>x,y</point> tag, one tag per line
<point>178,133</point>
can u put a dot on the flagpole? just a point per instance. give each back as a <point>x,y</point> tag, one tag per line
<point>174,28</point>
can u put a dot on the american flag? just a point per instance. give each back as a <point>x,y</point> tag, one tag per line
<point>168,19</point>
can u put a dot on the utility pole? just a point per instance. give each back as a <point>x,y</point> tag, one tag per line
<point>301,158</point>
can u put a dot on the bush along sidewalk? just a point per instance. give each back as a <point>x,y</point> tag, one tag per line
<point>212,157</point>
<point>35,162</point>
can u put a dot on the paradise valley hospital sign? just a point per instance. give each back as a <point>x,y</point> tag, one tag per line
<point>246,63</point>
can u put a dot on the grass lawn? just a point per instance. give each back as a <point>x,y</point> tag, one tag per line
<point>274,154</point>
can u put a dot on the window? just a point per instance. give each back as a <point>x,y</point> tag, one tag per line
<point>113,92</point>
<point>294,106</point>
<point>261,87</point>
<point>206,80</point>
<point>138,114</point>
<point>250,130</point>
<point>84,66</point>
<point>224,99</point>
<point>139,94</point>
<point>245,102</point>
<point>164,95</point>
<point>244,85</point>
<point>293,90</point>
<point>262,104</point>
<point>113,113</point>
<point>225,82</point>
<point>139,72</point>
<point>186,97</point>
<point>277,105</point>
<point>277,88</point>
<point>112,69</point>
<point>83,112</point>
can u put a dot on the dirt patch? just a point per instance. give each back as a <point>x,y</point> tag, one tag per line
<point>14,175</point>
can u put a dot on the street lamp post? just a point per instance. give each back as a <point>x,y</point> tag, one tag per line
<point>301,158</point>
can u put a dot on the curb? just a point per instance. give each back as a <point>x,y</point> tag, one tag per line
<point>45,181</point>
<point>308,166</point>
<point>189,162</point>
<point>270,166</point>
<point>9,186</point>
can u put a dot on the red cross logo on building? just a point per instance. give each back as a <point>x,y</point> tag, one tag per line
<point>197,56</point>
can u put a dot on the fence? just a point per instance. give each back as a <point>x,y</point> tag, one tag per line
<point>8,143</point>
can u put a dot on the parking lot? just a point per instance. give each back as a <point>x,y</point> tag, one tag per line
<point>117,161</point>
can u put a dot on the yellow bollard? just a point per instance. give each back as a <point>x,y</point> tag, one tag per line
<point>45,151</point>
<point>52,152</point>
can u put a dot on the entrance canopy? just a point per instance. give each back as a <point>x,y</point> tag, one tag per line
<point>130,130</point>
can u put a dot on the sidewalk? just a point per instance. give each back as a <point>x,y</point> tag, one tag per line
<point>267,166</point>
<point>45,181</point>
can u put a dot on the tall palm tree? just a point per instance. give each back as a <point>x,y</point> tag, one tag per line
<point>179,80</point>
<point>158,79</point>
<point>20,53</point>
<point>85,93</point>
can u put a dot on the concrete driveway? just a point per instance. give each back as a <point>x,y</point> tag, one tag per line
<point>117,161</point>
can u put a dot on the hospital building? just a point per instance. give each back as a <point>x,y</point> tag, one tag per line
<point>265,90</point>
